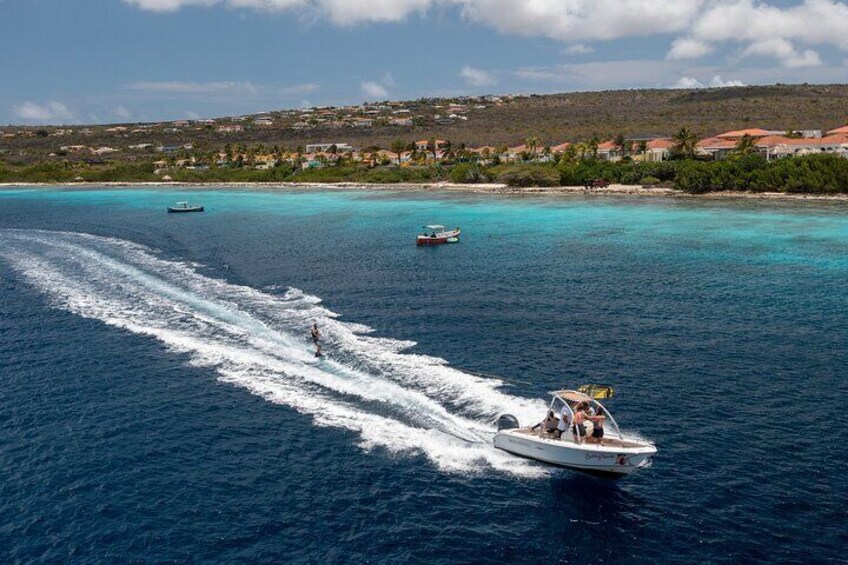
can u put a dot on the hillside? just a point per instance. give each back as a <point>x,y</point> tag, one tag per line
<point>474,121</point>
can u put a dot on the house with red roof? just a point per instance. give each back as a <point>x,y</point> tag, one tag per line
<point>716,148</point>
<point>753,132</point>
<point>423,146</point>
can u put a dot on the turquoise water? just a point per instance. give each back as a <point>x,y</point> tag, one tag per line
<point>159,401</point>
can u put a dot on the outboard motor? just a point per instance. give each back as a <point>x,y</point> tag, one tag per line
<point>507,422</point>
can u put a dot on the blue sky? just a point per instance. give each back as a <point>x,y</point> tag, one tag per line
<point>103,61</point>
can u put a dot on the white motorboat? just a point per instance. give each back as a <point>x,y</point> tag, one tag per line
<point>613,456</point>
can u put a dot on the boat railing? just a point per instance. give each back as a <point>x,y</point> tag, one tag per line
<point>559,406</point>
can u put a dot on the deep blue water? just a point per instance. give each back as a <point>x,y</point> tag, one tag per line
<point>158,402</point>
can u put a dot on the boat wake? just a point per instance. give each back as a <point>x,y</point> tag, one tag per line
<point>395,400</point>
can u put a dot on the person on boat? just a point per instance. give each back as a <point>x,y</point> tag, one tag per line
<point>316,339</point>
<point>562,424</point>
<point>598,426</point>
<point>578,427</point>
<point>548,425</point>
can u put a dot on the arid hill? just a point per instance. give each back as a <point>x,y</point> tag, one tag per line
<point>491,120</point>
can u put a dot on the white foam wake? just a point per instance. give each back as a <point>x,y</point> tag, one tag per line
<point>403,402</point>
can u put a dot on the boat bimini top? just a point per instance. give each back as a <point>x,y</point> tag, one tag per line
<point>564,402</point>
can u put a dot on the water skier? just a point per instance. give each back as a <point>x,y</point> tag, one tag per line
<point>316,339</point>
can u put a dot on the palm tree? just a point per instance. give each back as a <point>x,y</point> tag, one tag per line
<point>532,144</point>
<point>643,147</point>
<point>572,151</point>
<point>685,143</point>
<point>592,146</point>
<point>745,146</point>
<point>432,146</point>
<point>398,146</point>
<point>620,143</point>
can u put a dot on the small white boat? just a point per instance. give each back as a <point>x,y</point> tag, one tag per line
<point>184,207</point>
<point>437,235</point>
<point>613,456</point>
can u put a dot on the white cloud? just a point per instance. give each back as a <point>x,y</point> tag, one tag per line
<point>341,12</point>
<point>688,83</point>
<point>122,112</point>
<point>299,89</point>
<point>477,77</point>
<point>578,20</point>
<point>718,82</point>
<point>698,27</point>
<point>52,112</point>
<point>769,30</point>
<point>192,115</point>
<point>578,49</point>
<point>388,80</point>
<point>174,5</point>
<point>715,82</point>
<point>688,48</point>
<point>374,90</point>
<point>177,87</point>
<point>603,74</point>
<point>785,52</point>
<point>348,12</point>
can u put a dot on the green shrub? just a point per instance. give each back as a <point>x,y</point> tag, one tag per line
<point>693,177</point>
<point>467,173</point>
<point>652,181</point>
<point>524,175</point>
<point>326,174</point>
<point>120,172</point>
<point>395,175</point>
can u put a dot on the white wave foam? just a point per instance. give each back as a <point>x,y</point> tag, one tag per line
<point>398,401</point>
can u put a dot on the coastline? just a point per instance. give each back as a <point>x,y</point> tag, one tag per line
<point>482,188</point>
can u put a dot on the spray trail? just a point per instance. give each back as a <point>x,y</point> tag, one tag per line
<point>403,402</point>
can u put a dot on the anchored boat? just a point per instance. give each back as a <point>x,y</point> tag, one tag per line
<point>184,207</point>
<point>437,235</point>
<point>565,438</point>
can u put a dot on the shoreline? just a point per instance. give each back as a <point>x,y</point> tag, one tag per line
<point>482,188</point>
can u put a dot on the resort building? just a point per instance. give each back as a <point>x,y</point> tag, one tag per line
<point>423,145</point>
<point>325,147</point>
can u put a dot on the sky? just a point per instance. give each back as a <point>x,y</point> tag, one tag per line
<point>118,61</point>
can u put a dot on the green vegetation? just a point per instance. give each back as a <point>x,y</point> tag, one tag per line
<point>522,175</point>
<point>819,174</point>
<point>744,171</point>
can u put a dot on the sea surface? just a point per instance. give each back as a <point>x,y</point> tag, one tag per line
<point>159,401</point>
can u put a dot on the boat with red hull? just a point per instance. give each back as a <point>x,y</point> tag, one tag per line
<point>437,235</point>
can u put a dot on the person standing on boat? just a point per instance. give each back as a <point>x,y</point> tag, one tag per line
<point>578,428</point>
<point>316,339</point>
<point>598,426</point>
<point>562,425</point>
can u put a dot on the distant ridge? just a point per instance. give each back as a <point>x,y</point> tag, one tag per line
<point>552,118</point>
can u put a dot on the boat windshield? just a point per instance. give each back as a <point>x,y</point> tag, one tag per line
<point>567,400</point>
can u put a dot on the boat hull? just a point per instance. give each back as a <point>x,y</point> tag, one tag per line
<point>607,461</point>
<point>185,210</point>
<point>440,239</point>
